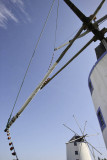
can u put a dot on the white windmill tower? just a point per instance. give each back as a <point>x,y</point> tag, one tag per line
<point>77,148</point>
<point>98,87</point>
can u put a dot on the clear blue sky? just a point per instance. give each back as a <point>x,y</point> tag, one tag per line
<point>39,133</point>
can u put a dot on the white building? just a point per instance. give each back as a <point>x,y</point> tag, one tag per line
<point>77,150</point>
<point>98,88</point>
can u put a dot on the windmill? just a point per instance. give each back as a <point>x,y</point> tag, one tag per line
<point>88,26</point>
<point>78,147</point>
<point>97,82</point>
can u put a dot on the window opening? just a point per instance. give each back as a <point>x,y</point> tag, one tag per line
<point>75,143</point>
<point>76,152</point>
<point>101,119</point>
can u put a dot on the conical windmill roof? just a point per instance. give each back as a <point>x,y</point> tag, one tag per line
<point>76,139</point>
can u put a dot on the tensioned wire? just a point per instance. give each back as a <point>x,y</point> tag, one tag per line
<point>31,60</point>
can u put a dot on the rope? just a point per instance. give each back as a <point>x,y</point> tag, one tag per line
<point>41,84</point>
<point>56,23</point>
<point>12,148</point>
<point>55,36</point>
<point>31,61</point>
<point>67,39</point>
<point>77,54</point>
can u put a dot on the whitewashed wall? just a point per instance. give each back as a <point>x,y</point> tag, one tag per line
<point>82,148</point>
<point>84,151</point>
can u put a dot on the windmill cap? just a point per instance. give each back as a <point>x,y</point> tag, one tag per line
<point>76,139</point>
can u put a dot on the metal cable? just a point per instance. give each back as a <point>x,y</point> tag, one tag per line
<point>31,60</point>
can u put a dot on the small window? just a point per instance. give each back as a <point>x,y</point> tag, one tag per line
<point>76,152</point>
<point>91,86</point>
<point>101,119</point>
<point>75,143</point>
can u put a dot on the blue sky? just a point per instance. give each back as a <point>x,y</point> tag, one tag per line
<point>39,133</point>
